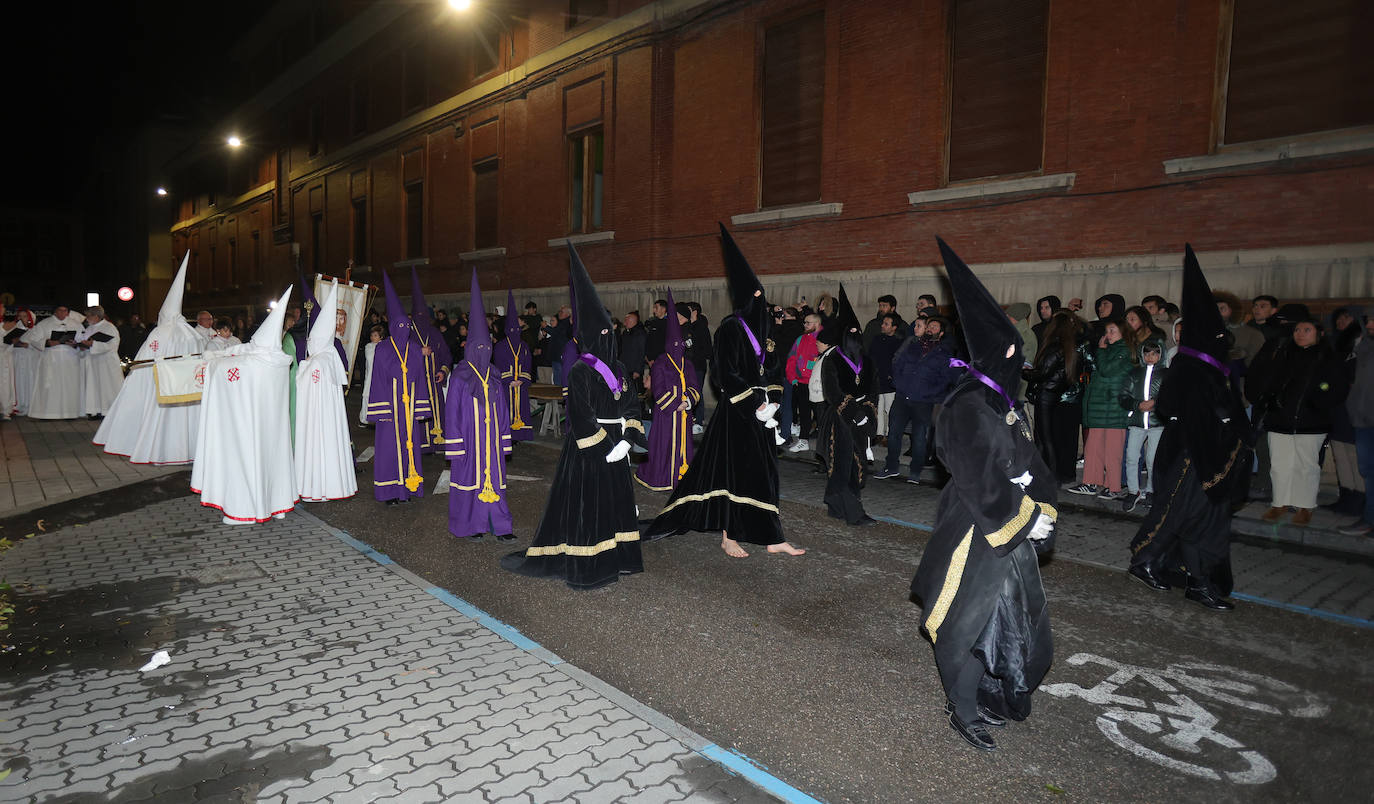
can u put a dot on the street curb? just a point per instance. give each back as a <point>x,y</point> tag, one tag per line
<point>732,761</point>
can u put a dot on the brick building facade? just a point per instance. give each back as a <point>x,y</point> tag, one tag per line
<point>1063,146</point>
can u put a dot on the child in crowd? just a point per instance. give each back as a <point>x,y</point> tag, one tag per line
<point>224,336</point>
<point>375,335</point>
<point>1144,427</point>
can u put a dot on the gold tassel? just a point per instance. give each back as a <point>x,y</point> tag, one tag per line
<point>413,479</point>
<point>488,494</point>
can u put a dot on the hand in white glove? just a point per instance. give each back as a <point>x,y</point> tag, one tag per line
<point>868,453</point>
<point>861,422</point>
<point>766,411</point>
<point>778,439</point>
<point>618,452</point>
<point>1042,528</point>
<point>773,423</point>
<point>1023,481</point>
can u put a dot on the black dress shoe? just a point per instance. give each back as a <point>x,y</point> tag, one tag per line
<point>986,715</point>
<point>1149,576</point>
<point>393,502</point>
<point>975,733</point>
<point>864,521</point>
<point>477,537</point>
<point>505,537</point>
<point>1204,596</point>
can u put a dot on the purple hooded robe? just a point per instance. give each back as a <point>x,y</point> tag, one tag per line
<point>438,363</point>
<point>398,403</point>
<point>672,379</point>
<point>477,436</point>
<point>516,365</point>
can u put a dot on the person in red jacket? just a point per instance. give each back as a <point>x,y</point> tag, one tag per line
<point>801,360</point>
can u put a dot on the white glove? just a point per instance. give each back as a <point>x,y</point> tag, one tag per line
<point>1042,528</point>
<point>766,412</point>
<point>868,452</point>
<point>861,422</point>
<point>778,439</point>
<point>1023,481</point>
<point>618,452</point>
<point>773,423</point>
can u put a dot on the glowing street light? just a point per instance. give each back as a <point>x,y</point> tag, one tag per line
<point>460,5</point>
<point>162,191</point>
<point>234,141</point>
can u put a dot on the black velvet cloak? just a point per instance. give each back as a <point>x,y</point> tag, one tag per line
<point>847,423</point>
<point>589,534</point>
<point>979,579</point>
<point>732,482</point>
<point>1201,465</point>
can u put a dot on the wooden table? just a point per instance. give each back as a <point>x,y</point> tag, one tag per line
<point>554,399</point>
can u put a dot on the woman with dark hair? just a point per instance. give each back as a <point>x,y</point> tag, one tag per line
<point>1055,389</point>
<point>1139,328</point>
<point>1045,308</point>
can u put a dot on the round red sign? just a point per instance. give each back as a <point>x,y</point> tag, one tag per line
<point>125,293</point>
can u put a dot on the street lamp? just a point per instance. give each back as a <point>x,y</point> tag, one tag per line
<point>234,141</point>
<point>162,191</point>
<point>460,5</point>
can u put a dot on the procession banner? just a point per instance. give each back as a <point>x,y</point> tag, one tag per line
<point>179,380</point>
<point>353,301</point>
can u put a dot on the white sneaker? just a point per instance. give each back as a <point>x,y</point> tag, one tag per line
<point>802,445</point>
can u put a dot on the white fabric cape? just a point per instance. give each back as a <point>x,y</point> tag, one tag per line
<point>324,456</point>
<point>243,464</point>
<point>9,400</point>
<point>136,426</point>
<point>369,351</point>
<point>101,373</point>
<point>57,383</point>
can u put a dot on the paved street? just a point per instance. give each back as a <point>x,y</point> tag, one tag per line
<point>304,665</point>
<point>47,462</point>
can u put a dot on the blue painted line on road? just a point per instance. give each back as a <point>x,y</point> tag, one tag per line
<point>1322,613</point>
<point>730,760</point>
<point>904,523</point>
<point>757,774</point>
<point>506,632</point>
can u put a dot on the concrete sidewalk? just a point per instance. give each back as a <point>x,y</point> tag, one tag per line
<point>303,667</point>
<point>45,462</point>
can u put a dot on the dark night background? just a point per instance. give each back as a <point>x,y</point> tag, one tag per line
<point>82,80</point>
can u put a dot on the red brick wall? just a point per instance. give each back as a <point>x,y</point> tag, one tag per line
<point>1128,86</point>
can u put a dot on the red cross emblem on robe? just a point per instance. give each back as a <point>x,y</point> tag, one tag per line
<point>233,375</point>
<point>315,376</point>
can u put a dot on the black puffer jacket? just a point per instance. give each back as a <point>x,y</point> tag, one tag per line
<point>1299,388</point>
<point>1048,382</point>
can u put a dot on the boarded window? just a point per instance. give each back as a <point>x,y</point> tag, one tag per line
<point>997,88</point>
<point>587,159</point>
<point>485,207</point>
<point>486,46</point>
<point>1299,67</point>
<point>359,224</point>
<point>415,220</point>
<point>793,98</point>
<point>316,242</point>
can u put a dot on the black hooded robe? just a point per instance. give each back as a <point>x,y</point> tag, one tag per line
<point>847,422</point>
<point>589,534</point>
<point>731,484</point>
<point>1200,462</point>
<point>979,578</point>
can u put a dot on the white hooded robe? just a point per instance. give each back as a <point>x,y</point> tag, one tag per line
<point>243,461</point>
<point>324,456</point>
<point>137,426</point>
<point>101,373</point>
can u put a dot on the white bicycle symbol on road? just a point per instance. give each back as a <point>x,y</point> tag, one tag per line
<point>1179,725</point>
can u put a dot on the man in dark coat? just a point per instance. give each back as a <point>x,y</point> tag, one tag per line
<point>979,578</point>
<point>632,341</point>
<point>1203,454</point>
<point>731,484</point>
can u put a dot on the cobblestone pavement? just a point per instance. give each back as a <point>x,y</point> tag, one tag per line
<point>1277,572</point>
<point>301,669</point>
<point>46,462</point>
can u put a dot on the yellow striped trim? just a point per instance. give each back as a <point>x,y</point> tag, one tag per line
<point>738,398</point>
<point>720,493</point>
<point>652,488</point>
<point>1008,531</point>
<point>176,399</point>
<point>665,398</point>
<point>777,388</point>
<point>592,440</point>
<point>1050,511</point>
<point>583,549</point>
<point>633,424</point>
<point>953,576</point>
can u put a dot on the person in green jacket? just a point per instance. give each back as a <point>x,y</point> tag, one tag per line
<point>1104,417</point>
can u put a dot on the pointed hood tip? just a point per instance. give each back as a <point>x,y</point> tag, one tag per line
<point>321,335</point>
<point>170,312</point>
<point>268,335</point>
<point>672,337</point>
<point>478,348</point>
<point>398,324</point>
<point>1205,331</point>
<point>512,319</point>
<point>985,326</point>
<point>592,322</point>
